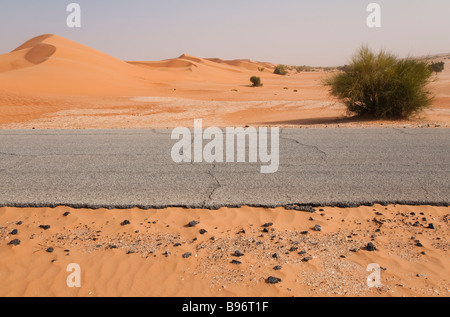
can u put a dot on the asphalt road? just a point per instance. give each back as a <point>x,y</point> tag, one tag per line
<point>134,168</point>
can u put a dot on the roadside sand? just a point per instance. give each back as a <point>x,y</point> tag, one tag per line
<point>51,82</point>
<point>131,260</point>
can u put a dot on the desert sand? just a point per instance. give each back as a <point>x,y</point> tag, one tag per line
<point>145,257</point>
<point>51,82</point>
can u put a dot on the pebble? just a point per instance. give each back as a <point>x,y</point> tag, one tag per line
<point>203,231</point>
<point>45,227</point>
<point>277,268</point>
<point>432,226</point>
<point>267,225</point>
<point>49,250</point>
<point>273,280</point>
<point>14,232</point>
<point>317,228</point>
<point>124,223</point>
<point>14,242</point>
<point>236,262</point>
<point>371,247</point>
<point>193,223</point>
<point>238,253</point>
<point>307,259</point>
<point>187,255</point>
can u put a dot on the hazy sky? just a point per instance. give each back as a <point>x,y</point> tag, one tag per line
<point>296,32</point>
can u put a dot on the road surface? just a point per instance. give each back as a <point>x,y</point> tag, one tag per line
<point>134,168</point>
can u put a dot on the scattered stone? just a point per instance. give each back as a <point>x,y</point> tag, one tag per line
<point>371,247</point>
<point>307,259</point>
<point>19,223</point>
<point>354,250</point>
<point>166,254</point>
<point>273,280</point>
<point>431,226</point>
<point>276,256</point>
<point>187,255</point>
<point>418,244</point>
<point>177,245</point>
<point>236,262</point>
<point>14,232</point>
<point>304,232</point>
<point>317,228</point>
<point>124,223</point>
<point>302,252</point>
<point>203,231</point>
<point>66,214</point>
<point>49,250</point>
<point>293,249</point>
<point>265,230</point>
<point>45,227</point>
<point>277,268</point>
<point>267,225</point>
<point>14,242</point>
<point>193,223</point>
<point>238,253</point>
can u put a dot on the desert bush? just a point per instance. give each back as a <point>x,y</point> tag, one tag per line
<point>256,81</point>
<point>261,69</point>
<point>280,70</point>
<point>382,85</point>
<point>437,67</point>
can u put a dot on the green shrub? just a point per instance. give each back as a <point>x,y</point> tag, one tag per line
<point>382,85</point>
<point>261,69</point>
<point>256,81</point>
<point>280,70</point>
<point>437,67</point>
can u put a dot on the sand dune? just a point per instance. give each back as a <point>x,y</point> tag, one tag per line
<point>53,82</point>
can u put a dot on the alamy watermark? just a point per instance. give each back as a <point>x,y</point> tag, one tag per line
<point>227,145</point>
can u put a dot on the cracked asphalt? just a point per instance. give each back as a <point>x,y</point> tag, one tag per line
<point>134,168</point>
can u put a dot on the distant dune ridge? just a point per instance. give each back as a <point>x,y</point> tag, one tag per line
<point>53,82</point>
<point>53,64</point>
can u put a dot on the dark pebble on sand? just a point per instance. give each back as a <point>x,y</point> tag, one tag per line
<point>307,259</point>
<point>317,228</point>
<point>276,256</point>
<point>193,223</point>
<point>267,225</point>
<point>236,262</point>
<point>371,247</point>
<point>45,227</point>
<point>49,250</point>
<point>66,214</point>
<point>14,232</point>
<point>431,226</point>
<point>277,268</point>
<point>273,280</point>
<point>14,242</point>
<point>238,253</point>
<point>124,223</point>
<point>187,255</point>
<point>203,231</point>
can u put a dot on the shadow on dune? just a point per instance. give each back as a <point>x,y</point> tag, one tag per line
<point>324,120</point>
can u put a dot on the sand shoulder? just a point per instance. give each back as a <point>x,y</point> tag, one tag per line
<point>145,257</point>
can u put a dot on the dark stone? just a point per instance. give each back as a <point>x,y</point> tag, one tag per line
<point>317,228</point>
<point>432,226</point>
<point>124,223</point>
<point>66,214</point>
<point>371,247</point>
<point>177,245</point>
<point>49,250</point>
<point>267,225</point>
<point>265,230</point>
<point>273,280</point>
<point>354,250</point>
<point>293,249</point>
<point>14,242</point>
<point>193,223</point>
<point>302,252</point>
<point>307,259</point>
<point>277,268</point>
<point>276,256</point>
<point>45,227</point>
<point>238,253</point>
<point>14,232</point>
<point>236,262</point>
<point>203,231</point>
<point>418,244</point>
<point>187,255</point>
<point>304,232</point>
<point>19,223</point>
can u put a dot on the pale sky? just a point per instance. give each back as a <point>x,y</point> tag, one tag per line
<point>295,32</point>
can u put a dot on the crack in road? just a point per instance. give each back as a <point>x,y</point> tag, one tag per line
<point>323,154</point>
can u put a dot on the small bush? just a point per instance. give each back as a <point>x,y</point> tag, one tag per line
<point>256,81</point>
<point>437,67</point>
<point>382,85</point>
<point>280,70</point>
<point>261,69</point>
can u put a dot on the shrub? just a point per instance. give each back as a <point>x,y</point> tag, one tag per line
<point>280,70</point>
<point>382,85</point>
<point>256,81</point>
<point>261,69</point>
<point>437,67</point>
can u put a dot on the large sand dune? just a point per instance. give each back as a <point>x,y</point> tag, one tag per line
<point>53,82</point>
